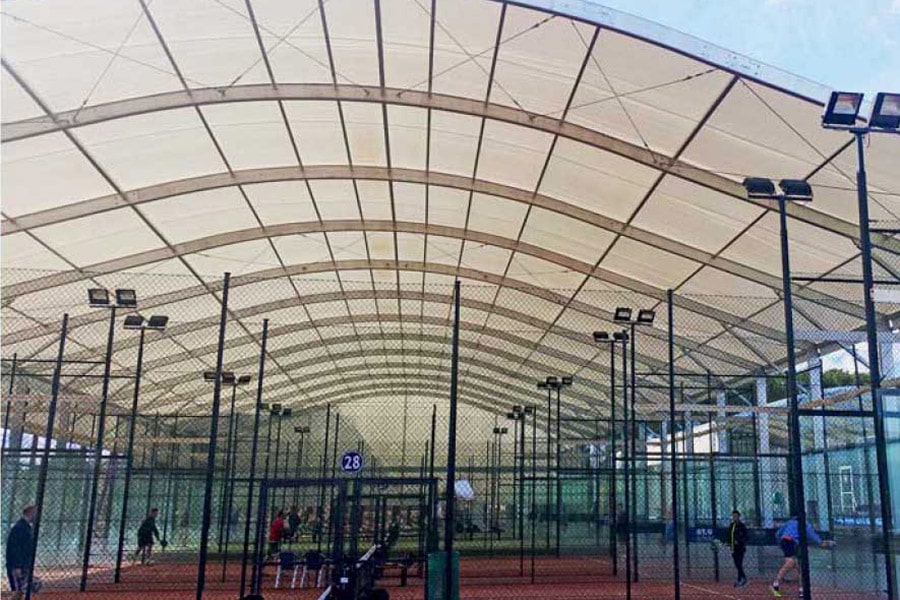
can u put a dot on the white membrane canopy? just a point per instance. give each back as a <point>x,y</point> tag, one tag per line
<point>346,160</point>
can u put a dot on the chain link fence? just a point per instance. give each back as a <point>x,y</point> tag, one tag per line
<point>585,487</point>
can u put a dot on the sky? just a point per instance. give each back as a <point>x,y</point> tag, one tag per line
<point>853,45</point>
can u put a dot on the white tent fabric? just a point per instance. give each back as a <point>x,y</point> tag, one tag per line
<point>346,160</point>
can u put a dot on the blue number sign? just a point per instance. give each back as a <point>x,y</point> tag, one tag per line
<point>351,462</point>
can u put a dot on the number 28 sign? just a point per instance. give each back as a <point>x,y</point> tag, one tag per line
<point>351,462</point>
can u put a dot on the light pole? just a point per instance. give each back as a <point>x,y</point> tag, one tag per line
<point>225,517</point>
<point>515,415</point>
<point>551,383</point>
<point>302,430</point>
<point>499,432</point>
<point>275,411</point>
<point>793,190</point>
<point>645,317</point>
<point>545,385</point>
<point>99,298</point>
<point>134,322</point>
<point>841,113</point>
<point>618,337</point>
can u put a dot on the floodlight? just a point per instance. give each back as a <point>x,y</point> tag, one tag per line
<point>646,316</point>
<point>886,111</point>
<point>98,297</point>
<point>552,380</point>
<point>796,190</point>
<point>529,410</point>
<point>301,429</point>
<point>276,408</point>
<point>157,322</point>
<point>622,314</point>
<point>759,188</point>
<point>496,430</point>
<point>209,375</point>
<point>243,379</point>
<point>620,336</point>
<point>511,415</point>
<point>567,380</point>
<point>227,377</point>
<point>133,322</point>
<point>503,430</point>
<point>263,406</point>
<point>516,408</point>
<point>126,298</point>
<point>842,109</point>
<point>286,412</point>
<point>601,337</point>
<point>542,385</point>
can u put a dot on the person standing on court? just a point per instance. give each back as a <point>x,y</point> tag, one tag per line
<point>276,533</point>
<point>145,535</point>
<point>789,540</point>
<point>19,546</point>
<point>737,541</point>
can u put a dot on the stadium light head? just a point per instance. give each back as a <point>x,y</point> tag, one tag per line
<point>286,412</point>
<point>646,316</point>
<point>842,109</point>
<point>126,298</point>
<point>796,190</point>
<point>601,337</point>
<point>622,314</point>
<point>503,430</point>
<point>516,408</point>
<point>263,406</point>
<point>620,336</point>
<point>552,380</point>
<point>496,430</point>
<point>512,415</point>
<point>133,322</point>
<point>542,385</point>
<point>759,188</point>
<point>529,410</point>
<point>98,297</point>
<point>886,111</point>
<point>209,375</point>
<point>566,380</point>
<point>157,322</point>
<point>301,429</point>
<point>275,408</point>
<point>227,377</point>
<point>244,379</point>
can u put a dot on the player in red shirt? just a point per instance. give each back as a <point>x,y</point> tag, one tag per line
<point>276,533</point>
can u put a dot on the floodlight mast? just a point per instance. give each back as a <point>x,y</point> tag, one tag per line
<point>884,118</point>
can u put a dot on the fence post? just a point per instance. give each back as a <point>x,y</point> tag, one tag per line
<point>254,444</point>
<point>98,451</point>
<point>449,531</point>
<point>676,563</point>
<point>45,458</point>
<point>213,433</point>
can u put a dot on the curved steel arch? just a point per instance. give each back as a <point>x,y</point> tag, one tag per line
<point>507,400</point>
<point>477,401</point>
<point>413,98</point>
<point>256,233</point>
<point>318,172</point>
<point>574,409</point>
<point>290,351</point>
<point>582,338</point>
<point>438,268</point>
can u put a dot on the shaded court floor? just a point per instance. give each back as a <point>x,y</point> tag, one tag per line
<point>561,578</point>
